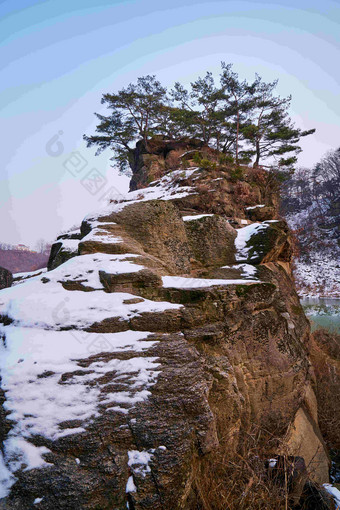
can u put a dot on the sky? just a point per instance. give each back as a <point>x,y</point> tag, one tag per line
<point>59,56</point>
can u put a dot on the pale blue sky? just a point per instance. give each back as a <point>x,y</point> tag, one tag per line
<point>58,57</point>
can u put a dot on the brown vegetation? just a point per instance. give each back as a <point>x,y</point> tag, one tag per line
<point>325,354</point>
<point>256,477</point>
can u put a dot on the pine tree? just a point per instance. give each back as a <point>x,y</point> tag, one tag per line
<point>136,112</point>
<point>238,102</point>
<point>235,117</point>
<point>271,132</point>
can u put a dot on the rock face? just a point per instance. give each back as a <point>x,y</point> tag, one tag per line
<point>65,247</point>
<point>150,163</point>
<point>6,278</point>
<point>125,368</point>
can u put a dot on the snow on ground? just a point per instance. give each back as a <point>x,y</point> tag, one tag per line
<point>320,277</point>
<point>179,282</point>
<point>19,278</point>
<point>243,237</point>
<point>196,217</point>
<point>29,274</point>
<point>32,362</point>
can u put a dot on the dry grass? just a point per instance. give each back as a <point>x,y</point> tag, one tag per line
<point>325,355</point>
<point>243,480</point>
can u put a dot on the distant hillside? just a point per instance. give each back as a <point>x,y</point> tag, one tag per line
<point>311,205</point>
<point>18,261</point>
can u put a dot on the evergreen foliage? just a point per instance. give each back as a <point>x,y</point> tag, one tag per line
<point>241,120</point>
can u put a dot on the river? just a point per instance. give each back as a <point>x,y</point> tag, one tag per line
<point>323,312</point>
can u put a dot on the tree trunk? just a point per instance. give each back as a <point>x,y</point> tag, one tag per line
<point>237,134</point>
<point>258,155</point>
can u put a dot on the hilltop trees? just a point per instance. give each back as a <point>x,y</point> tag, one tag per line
<point>136,113</point>
<point>241,119</point>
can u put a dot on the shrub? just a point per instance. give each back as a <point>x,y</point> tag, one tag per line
<point>226,159</point>
<point>236,173</point>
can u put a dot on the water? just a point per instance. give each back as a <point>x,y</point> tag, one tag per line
<point>323,312</point>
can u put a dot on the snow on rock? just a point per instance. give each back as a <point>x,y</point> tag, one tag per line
<point>130,485</point>
<point>196,217</point>
<point>247,270</point>
<point>139,461</point>
<point>6,478</point>
<point>29,274</point>
<point>19,278</point>
<point>243,237</point>
<point>41,303</point>
<point>333,491</point>
<point>99,234</point>
<point>32,362</point>
<point>164,189</point>
<point>254,207</point>
<point>179,282</point>
<point>70,245</point>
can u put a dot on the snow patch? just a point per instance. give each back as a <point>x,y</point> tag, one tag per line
<point>50,306</point>
<point>164,189</point>
<point>139,461</point>
<point>333,491</point>
<point>130,485</point>
<point>197,217</point>
<point>243,237</point>
<point>247,270</point>
<point>179,282</point>
<point>38,399</point>
<point>254,207</point>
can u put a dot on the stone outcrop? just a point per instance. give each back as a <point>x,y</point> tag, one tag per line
<point>6,278</point>
<point>168,344</point>
<point>65,247</point>
<point>160,156</point>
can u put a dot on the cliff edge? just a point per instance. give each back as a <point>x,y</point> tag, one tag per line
<point>167,330</point>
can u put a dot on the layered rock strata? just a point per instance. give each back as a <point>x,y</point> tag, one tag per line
<point>173,324</point>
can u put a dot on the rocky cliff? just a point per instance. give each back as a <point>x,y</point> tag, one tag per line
<point>167,328</point>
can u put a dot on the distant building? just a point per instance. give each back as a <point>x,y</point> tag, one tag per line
<point>22,247</point>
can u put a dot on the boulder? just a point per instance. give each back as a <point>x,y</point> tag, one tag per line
<point>6,278</point>
<point>269,242</point>
<point>158,227</point>
<point>61,252</point>
<point>261,213</point>
<point>211,240</point>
